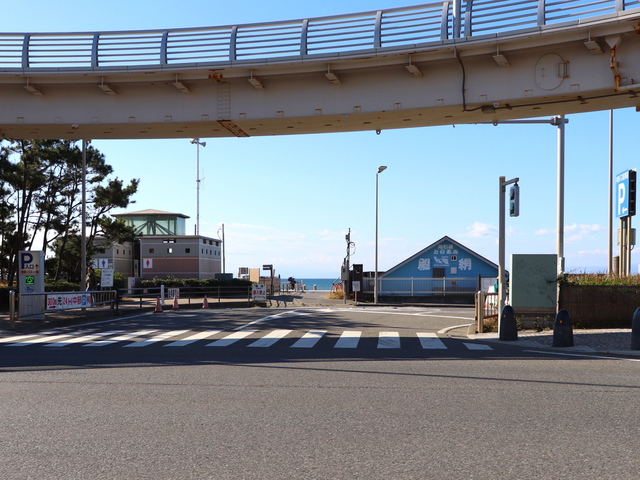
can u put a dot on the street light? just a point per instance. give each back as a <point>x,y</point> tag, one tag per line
<point>375,273</point>
<point>197,142</point>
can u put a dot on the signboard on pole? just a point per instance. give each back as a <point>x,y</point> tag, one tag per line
<point>259,292</point>
<point>65,301</point>
<point>106,279</point>
<point>626,194</point>
<point>30,271</point>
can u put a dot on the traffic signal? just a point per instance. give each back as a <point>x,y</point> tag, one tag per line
<point>514,200</point>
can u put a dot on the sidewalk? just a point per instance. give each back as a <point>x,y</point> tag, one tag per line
<point>616,341</point>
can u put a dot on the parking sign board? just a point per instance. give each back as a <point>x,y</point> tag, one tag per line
<point>625,193</point>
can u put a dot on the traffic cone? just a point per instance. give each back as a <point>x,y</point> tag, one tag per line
<point>205,303</point>
<point>158,306</point>
<point>175,303</point>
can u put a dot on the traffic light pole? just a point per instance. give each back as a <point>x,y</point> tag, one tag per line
<point>501,246</point>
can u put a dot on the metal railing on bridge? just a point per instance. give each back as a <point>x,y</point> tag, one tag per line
<point>332,37</point>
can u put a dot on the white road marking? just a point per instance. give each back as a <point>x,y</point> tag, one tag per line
<point>285,314</point>
<point>389,340</point>
<point>193,338</point>
<point>309,339</point>
<point>348,339</point>
<point>430,341</point>
<point>19,337</point>
<point>477,346</point>
<point>45,339</point>
<point>157,338</point>
<point>229,339</point>
<point>121,338</point>
<point>270,339</point>
<point>84,338</point>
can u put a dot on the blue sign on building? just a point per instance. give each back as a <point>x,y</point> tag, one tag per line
<point>444,266</point>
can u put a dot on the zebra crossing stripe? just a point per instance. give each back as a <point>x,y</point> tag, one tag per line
<point>270,339</point>
<point>157,338</point>
<point>193,338</point>
<point>229,339</point>
<point>46,339</point>
<point>18,337</point>
<point>121,338</point>
<point>309,339</point>
<point>477,346</point>
<point>348,339</point>
<point>83,339</point>
<point>430,341</point>
<point>389,340</point>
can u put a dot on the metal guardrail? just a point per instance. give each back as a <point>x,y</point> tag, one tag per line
<point>214,294</point>
<point>330,37</point>
<point>415,287</point>
<point>38,304</point>
<point>486,308</point>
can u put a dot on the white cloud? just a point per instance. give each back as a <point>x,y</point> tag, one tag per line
<point>480,230</point>
<point>576,232</point>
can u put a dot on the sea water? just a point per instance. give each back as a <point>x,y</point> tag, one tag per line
<point>320,283</point>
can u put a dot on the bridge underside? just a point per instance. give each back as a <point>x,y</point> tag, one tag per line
<point>537,74</point>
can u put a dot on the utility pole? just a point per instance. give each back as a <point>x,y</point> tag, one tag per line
<point>501,246</point>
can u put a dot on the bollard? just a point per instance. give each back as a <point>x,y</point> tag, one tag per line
<point>635,330</point>
<point>508,327</point>
<point>563,330</point>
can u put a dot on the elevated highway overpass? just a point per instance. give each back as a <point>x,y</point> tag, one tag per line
<point>448,62</point>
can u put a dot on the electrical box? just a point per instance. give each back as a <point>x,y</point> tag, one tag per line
<point>514,200</point>
<point>344,273</point>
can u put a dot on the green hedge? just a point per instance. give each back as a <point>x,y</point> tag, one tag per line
<point>171,282</point>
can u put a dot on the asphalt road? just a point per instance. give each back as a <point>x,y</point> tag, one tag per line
<point>403,402</point>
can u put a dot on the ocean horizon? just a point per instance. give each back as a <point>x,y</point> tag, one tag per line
<point>320,283</point>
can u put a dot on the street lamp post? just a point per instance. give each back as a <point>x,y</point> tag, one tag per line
<point>375,273</point>
<point>197,143</point>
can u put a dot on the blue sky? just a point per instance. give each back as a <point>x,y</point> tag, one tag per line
<point>289,201</point>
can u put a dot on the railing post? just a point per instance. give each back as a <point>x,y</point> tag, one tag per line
<point>457,18</point>
<point>163,48</point>
<point>377,35</point>
<point>232,44</point>
<point>468,19</point>
<point>94,50</point>
<point>303,37</point>
<point>444,25</point>
<point>541,13</point>
<point>12,310</point>
<point>25,50</point>
<point>620,5</point>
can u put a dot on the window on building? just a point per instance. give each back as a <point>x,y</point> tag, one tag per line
<point>187,250</point>
<point>169,250</point>
<point>438,272</point>
<point>210,242</point>
<point>169,240</point>
<point>454,258</point>
<point>152,250</point>
<point>204,241</point>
